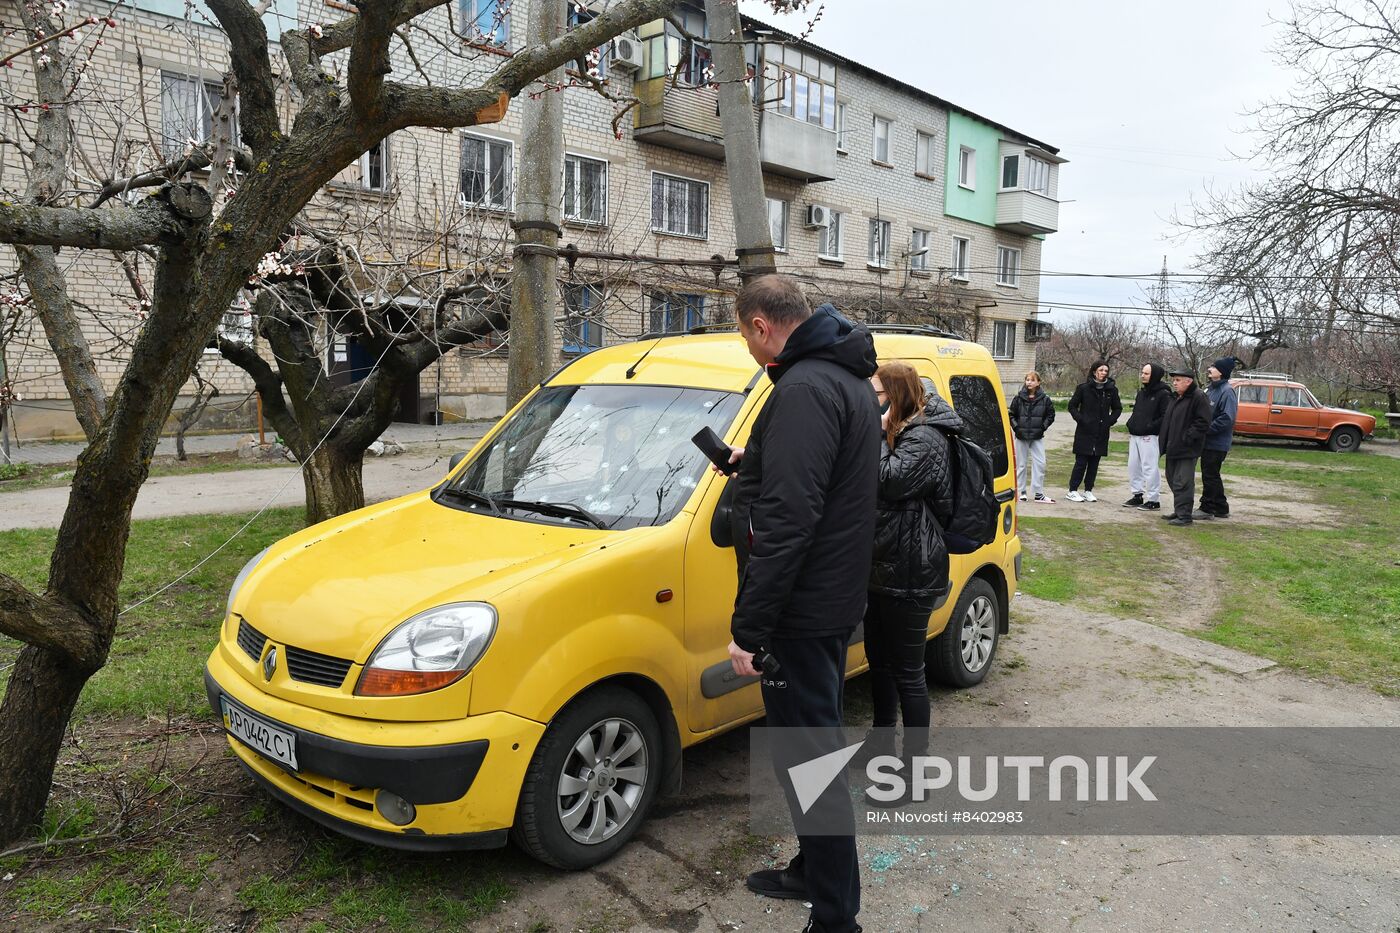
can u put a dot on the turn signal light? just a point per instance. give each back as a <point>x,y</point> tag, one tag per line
<point>380,682</point>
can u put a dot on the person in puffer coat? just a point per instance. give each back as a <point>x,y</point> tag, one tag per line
<point>1095,408</point>
<point>1032,413</point>
<point>909,572</point>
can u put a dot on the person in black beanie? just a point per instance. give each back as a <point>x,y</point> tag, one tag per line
<point>1224,407</point>
<point>1182,439</point>
<point>1145,423</point>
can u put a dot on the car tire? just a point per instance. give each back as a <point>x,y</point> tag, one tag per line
<point>569,794</point>
<point>962,653</point>
<point>1345,440</point>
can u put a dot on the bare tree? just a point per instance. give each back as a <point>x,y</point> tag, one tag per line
<point>203,246</point>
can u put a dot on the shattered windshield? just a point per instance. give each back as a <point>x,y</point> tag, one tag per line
<point>610,456</point>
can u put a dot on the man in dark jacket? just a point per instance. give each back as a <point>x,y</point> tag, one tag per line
<point>1224,407</point>
<point>1145,423</point>
<point>1182,439</point>
<point>807,484</point>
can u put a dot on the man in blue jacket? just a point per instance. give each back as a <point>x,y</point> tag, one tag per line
<point>1224,406</point>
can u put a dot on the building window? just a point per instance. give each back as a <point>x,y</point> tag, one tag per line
<point>841,127</point>
<point>1003,340</point>
<point>967,167</point>
<point>486,176</point>
<point>675,314</point>
<point>578,16</point>
<point>829,237</point>
<point>582,329</point>
<point>918,250</point>
<point>800,84</point>
<point>1010,171</point>
<point>680,206</point>
<point>585,190</point>
<point>923,154</point>
<point>879,243</point>
<point>1008,266</point>
<point>962,249</point>
<point>486,21</point>
<point>374,167</point>
<point>187,108</point>
<point>778,222</point>
<point>1037,175</point>
<point>679,55</point>
<point>882,140</point>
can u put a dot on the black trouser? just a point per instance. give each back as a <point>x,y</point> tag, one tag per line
<point>1086,468</point>
<point>1181,477</point>
<point>896,633</point>
<point>807,691</point>
<point>1212,489</point>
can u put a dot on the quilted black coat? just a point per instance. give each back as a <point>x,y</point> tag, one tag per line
<point>1095,409</point>
<point>916,489</point>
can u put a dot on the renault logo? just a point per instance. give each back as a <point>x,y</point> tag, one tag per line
<point>269,664</point>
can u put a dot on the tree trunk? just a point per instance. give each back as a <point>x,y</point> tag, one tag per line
<point>39,699</point>
<point>334,484</point>
<point>1393,399</point>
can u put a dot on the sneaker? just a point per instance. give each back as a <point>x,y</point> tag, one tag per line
<point>1169,516</point>
<point>1222,514</point>
<point>781,883</point>
<point>1200,516</point>
<point>1149,507</point>
<point>1090,497</point>
<point>1074,496</point>
<point>1042,497</point>
<point>1022,497</point>
<point>1179,521</point>
<point>1134,502</point>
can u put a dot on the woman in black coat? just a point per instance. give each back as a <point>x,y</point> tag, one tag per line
<point>1095,408</point>
<point>909,573</point>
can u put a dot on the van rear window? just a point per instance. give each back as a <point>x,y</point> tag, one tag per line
<point>975,401</point>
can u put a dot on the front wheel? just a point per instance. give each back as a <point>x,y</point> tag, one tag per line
<point>1345,440</point>
<point>591,780</point>
<point>962,654</point>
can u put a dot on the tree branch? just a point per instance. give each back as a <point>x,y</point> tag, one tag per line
<point>369,57</point>
<point>47,623</point>
<point>155,220</point>
<point>257,95</point>
<point>48,291</point>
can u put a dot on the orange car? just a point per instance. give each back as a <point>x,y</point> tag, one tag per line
<point>1274,405</point>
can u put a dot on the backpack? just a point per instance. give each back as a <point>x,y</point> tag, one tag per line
<point>976,510</point>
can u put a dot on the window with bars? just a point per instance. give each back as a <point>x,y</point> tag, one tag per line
<point>486,172</point>
<point>1008,266</point>
<point>585,190</point>
<point>680,206</point>
<point>674,314</point>
<point>188,105</point>
<point>583,331</point>
<point>1004,340</point>
<point>879,251</point>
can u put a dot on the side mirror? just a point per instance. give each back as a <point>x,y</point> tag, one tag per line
<point>456,459</point>
<point>721,530</point>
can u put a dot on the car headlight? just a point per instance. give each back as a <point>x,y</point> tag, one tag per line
<point>243,575</point>
<point>429,651</point>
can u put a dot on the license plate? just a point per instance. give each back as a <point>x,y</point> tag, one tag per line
<point>259,735</point>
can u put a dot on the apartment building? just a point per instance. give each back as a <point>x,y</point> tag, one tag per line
<point>898,206</point>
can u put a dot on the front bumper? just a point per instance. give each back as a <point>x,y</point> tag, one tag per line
<point>463,775</point>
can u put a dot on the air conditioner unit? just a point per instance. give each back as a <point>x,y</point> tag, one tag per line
<point>1038,331</point>
<point>818,216</point>
<point>627,53</point>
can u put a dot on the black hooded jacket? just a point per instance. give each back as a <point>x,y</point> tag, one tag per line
<point>916,496</point>
<point>1150,406</point>
<point>1095,408</point>
<point>1031,417</point>
<point>807,487</point>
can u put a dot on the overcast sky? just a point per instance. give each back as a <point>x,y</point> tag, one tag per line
<point>1147,101</point>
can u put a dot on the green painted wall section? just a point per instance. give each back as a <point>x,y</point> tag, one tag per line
<point>978,205</point>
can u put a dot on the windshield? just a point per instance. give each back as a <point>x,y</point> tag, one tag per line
<point>619,454</point>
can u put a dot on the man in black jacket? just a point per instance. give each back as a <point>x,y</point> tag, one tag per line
<point>1182,439</point>
<point>1145,423</point>
<point>807,484</point>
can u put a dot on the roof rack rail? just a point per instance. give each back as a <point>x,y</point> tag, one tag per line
<point>1254,375</point>
<point>925,329</point>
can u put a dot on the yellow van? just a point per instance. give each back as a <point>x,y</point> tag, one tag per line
<point>525,649</point>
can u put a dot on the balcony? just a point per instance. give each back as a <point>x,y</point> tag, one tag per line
<point>796,148</point>
<point>1027,212</point>
<point>685,118</point>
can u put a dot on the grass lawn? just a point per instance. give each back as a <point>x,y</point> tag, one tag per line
<point>1324,601</point>
<point>19,476</point>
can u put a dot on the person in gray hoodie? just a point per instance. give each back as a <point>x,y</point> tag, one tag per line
<point>1224,407</point>
<point>1145,423</point>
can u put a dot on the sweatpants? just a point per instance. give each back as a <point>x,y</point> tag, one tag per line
<point>1086,470</point>
<point>1181,477</point>
<point>1144,477</point>
<point>1030,458</point>
<point>807,691</point>
<point>1212,488</point>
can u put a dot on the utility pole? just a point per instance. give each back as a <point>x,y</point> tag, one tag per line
<point>540,172</point>
<point>750,205</point>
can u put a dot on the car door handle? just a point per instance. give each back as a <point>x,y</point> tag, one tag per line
<point>1275,411</point>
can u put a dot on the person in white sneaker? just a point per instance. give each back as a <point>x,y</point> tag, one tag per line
<point>1145,423</point>
<point>1095,408</point>
<point>1032,413</point>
